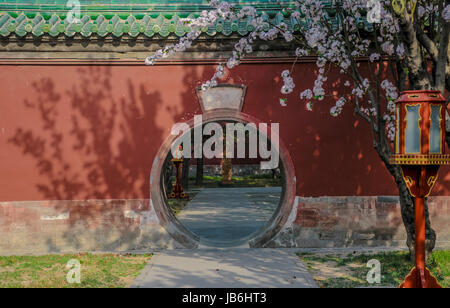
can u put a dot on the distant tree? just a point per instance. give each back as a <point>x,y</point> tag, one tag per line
<point>185,173</point>
<point>199,172</point>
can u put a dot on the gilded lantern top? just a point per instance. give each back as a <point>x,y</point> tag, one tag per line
<point>420,131</point>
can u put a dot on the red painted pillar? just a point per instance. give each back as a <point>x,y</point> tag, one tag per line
<point>420,276</point>
<point>420,240</point>
<point>420,227</point>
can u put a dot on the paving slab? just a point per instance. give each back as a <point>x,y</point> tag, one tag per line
<point>229,214</point>
<point>225,268</point>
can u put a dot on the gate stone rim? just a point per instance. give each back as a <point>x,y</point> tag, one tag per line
<point>188,239</point>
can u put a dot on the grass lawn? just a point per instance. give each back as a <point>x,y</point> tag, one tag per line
<point>97,270</point>
<point>264,180</point>
<point>350,271</point>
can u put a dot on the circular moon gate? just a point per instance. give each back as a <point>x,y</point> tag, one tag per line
<point>188,239</point>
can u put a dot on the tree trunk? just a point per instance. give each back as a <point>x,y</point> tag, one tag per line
<point>419,79</point>
<point>199,175</point>
<point>408,215</point>
<point>185,173</point>
<point>407,203</point>
<point>227,171</point>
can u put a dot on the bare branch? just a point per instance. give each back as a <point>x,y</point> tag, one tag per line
<point>428,44</point>
<point>418,76</point>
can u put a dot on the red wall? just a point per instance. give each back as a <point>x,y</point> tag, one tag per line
<point>91,132</point>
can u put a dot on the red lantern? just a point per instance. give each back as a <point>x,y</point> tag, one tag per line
<point>420,150</point>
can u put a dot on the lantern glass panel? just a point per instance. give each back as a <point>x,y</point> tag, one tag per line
<point>435,130</point>
<point>397,131</point>
<point>412,133</point>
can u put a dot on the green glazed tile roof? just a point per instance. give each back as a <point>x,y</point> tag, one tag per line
<point>119,17</point>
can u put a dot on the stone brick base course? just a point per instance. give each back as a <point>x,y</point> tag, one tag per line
<point>67,226</point>
<point>356,221</point>
<point>38,227</point>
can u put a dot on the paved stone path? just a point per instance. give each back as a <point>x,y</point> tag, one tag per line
<point>225,268</point>
<point>229,214</point>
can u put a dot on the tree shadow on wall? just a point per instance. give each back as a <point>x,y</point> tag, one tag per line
<point>98,153</point>
<point>90,143</point>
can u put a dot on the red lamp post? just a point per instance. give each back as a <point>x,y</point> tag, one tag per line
<point>420,150</point>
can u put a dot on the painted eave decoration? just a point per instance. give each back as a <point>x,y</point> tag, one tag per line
<point>151,18</point>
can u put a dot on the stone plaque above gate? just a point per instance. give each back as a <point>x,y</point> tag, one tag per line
<point>222,96</point>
